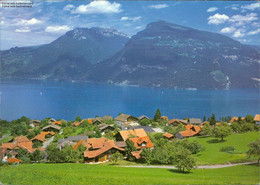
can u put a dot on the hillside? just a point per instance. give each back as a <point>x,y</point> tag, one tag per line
<point>69,57</point>
<point>170,55</point>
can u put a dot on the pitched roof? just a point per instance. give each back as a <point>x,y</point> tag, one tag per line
<point>77,138</point>
<point>19,142</point>
<point>108,144</point>
<point>168,135</point>
<point>233,119</point>
<point>194,120</point>
<point>139,140</point>
<point>52,126</point>
<point>136,154</point>
<point>191,130</point>
<point>146,128</point>
<point>42,135</point>
<point>13,160</point>
<point>107,117</point>
<point>180,121</point>
<point>257,117</point>
<point>122,117</point>
<point>136,132</point>
<point>120,144</point>
<point>142,117</point>
<point>165,118</point>
<point>57,122</point>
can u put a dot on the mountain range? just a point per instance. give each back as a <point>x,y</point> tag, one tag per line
<point>163,54</point>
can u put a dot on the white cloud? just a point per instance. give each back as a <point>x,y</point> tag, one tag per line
<point>234,8</point>
<point>69,7</point>
<point>23,30</point>
<point>158,6</point>
<point>218,19</point>
<point>254,32</point>
<point>252,6</point>
<point>212,9</point>
<point>57,29</point>
<point>243,19</point>
<point>228,30</point>
<point>239,33</point>
<point>131,18</point>
<point>98,7</point>
<point>32,21</point>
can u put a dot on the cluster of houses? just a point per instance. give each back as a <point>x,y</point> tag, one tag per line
<point>101,149</point>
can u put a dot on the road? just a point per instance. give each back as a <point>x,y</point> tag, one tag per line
<point>198,167</point>
<point>47,142</point>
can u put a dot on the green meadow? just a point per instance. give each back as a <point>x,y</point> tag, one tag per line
<point>100,174</point>
<point>212,154</point>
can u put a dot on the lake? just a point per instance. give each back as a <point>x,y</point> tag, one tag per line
<point>66,100</point>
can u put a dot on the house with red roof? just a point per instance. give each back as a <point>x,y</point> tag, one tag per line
<point>191,130</point>
<point>168,136</point>
<point>42,136</point>
<point>18,142</point>
<point>98,149</point>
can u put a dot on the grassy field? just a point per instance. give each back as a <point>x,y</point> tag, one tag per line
<point>212,154</point>
<point>100,174</point>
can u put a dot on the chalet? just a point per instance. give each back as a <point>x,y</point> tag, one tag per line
<point>191,130</point>
<point>125,134</point>
<point>120,144</point>
<point>71,140</point>
<point>98,149</point>
<point>77,138</point>
<point>18,142</point>
<point>51,128</point>
<point>168,136</point>
<point>126,118</point>
<point>257,118</point>
<point>104,127</point>
<point>158,130</point>
<point>96,121</point>
<point>42,136</point>
<point>195,121</point>
<point>142,117</point>
<point>129,125</point>
<point>14,160</point>
<point>141,142</point>
<point>176,122</point>
<point>89,120</point>
<point>76,124</point>
<point>51,120</point>
<point>63,142</point>
<point>235,119</point>
<point>35,123</point>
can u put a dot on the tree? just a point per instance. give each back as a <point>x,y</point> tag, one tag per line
<point>204,118</point>
<point>212,120</point>
<point>222,131</point>
<point>147,155</point>
<point>24,155</point>
<point>78,118</point>
<point>54,153</point>
<point>130,147</point>
<point>145,122</point>
<point>184,161</point>
<point>116,156</point>
<point>206,130</point>
<point>70,155</point>
<point>37,155</point>
<point>254,150</point>
<point>249,118</point>
<point>157,115</point>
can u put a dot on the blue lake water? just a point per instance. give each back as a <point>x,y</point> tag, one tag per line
<point>41,99</point>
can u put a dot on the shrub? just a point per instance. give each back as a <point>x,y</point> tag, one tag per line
<point>227,149</point>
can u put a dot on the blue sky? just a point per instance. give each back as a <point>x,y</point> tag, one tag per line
<point>47,20</point>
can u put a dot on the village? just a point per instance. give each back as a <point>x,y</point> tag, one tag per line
<point>102,139</point>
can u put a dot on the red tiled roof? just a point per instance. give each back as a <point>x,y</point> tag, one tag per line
<point>257,117</point>
<point>139,140</point>
<point>108,144</point>
<point>136,154</point>
<point>167,135</point>
<point>191,130</point>
<point>42,135</point>
<point>135,132</point>
<point>13,160</point>
<point>57,122</point>
<point>19,142</point>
